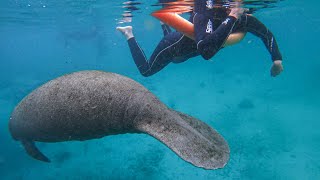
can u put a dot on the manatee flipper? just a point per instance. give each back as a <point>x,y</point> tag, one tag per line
<point>191,139</point>
<point>207,131</point>
<point>33,151</point>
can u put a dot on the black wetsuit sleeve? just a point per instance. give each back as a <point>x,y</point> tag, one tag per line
<point>254,26</point>
<point>209,43</point>
<point>210,39</point>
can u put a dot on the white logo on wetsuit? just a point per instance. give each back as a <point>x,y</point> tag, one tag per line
<point>209,4</point>
<point>226,21</point>
<point>209,27</point>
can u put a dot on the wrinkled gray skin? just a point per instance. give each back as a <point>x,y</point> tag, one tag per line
<point>93,104</point>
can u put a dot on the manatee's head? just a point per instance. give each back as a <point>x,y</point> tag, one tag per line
<point>22,133</point>
<point>24,123</point>
<point>18,126</point>
<point>15,128</point>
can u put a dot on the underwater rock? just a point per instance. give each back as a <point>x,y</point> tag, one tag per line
<point>93,104</point>
<point>203,85</point>
<point>246,104</point>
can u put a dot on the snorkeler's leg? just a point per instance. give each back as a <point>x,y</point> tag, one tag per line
<point>137,54</point>
<point>160,58</point>
<point>165,29</point>
<point>168,50</point>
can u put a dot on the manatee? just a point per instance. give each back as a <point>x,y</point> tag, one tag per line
<point>92,104</point>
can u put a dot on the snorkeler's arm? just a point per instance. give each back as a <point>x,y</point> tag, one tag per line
<point>257,28</point>
<point>208,42</point>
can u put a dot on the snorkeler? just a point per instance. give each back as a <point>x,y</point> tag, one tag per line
<point>212,26</point>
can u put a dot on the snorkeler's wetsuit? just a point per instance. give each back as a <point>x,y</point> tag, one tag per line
<point>212,28</point>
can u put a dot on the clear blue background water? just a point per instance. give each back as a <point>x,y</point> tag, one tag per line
<point>275,137</point>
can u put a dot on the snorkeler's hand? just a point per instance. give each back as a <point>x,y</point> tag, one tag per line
<point>236,12</point>
<point>276,68</point>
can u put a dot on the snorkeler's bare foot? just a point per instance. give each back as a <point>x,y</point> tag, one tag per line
<point>126,31</point>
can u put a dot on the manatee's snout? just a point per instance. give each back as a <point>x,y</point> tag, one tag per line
<point>11,130</point>
<point>28,144</point>
<point>16,131</point>
<point>19,131</point>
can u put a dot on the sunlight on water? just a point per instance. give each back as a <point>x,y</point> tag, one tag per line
<point>184,6</point>
<point>53,13</point>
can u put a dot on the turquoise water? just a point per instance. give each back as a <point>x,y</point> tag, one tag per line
<point>271,124</point>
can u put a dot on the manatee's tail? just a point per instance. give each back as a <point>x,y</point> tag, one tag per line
<point>191,139</point>
<point>33,151</point>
